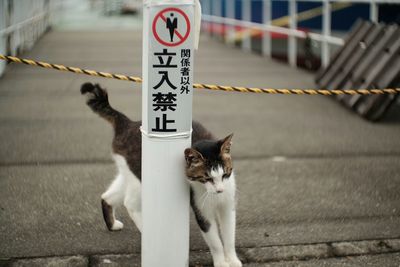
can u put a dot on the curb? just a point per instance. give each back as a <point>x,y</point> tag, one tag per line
<point>201,258</point>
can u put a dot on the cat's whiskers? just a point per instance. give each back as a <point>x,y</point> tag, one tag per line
<point>204,201</point>
<point>214,199</point>
<point>203,196</point>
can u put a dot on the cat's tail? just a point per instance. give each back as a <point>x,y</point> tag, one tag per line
<point>97,100</point>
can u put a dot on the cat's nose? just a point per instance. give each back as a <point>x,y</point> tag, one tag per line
<point>219,187</point>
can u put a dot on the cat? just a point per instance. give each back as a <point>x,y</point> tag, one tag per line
<point>208,169</point>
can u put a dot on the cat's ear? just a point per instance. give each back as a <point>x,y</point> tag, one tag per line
<point>226,144</point>
<point>193,156</point>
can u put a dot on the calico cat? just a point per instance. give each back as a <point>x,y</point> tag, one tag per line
<point>208,169</point>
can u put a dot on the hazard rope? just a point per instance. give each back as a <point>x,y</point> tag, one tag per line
<point>206,86</point>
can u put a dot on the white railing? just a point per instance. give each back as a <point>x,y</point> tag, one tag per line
<point>213,15</point>
<point>22,23</point>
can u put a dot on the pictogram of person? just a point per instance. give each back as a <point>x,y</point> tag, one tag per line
<point>172,25</point>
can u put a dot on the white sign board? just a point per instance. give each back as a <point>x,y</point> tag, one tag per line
<point>170,70</point>
<point>166,130</point>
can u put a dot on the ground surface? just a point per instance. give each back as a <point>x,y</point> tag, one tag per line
<point>316,182</point>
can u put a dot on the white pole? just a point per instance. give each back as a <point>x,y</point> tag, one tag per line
<point>373,12</point>
<point>217,11</point>
<point>166,130</point>
<point>246,16</point>
<point>230,13</point>
<point>267,17</point>
<point>326,32</point>
<point>3,37</point>
<point>206,5</point>
<point>292,45</point>
<point>212,25</point>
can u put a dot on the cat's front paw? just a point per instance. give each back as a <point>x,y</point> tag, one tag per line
<point>117,226</point>
<point>234,262</point>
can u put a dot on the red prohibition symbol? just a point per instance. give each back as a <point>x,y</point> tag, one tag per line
<point>171,26</point>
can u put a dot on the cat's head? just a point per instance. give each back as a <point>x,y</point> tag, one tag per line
<point>210,163</point>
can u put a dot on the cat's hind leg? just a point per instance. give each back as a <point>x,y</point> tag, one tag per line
<point>110,200</point>
<point>133,201</point>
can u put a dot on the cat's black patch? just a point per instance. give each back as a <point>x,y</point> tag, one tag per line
<point>210,151</point>
<point>226,175</point>
<point>98,102</point>
<point>203,223</point>
<point>107,214</point>
<point>87,87</point>
<point>215,153</point>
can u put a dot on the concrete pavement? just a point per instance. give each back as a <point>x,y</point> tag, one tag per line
<point>312,176</point>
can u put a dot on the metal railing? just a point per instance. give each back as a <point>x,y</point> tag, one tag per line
<point>213,14</point>
<point>22,23</point>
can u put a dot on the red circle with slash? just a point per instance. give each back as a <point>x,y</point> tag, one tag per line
<point>160,16</point>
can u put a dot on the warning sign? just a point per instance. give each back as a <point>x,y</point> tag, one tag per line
<point>169,69</point>
<point>171,27</point>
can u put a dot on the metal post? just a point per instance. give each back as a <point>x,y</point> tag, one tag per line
<point>267,17</point>
<point>217,11</point>
<point>211,12</point>
<point>230,13</point>
<point>326,32</point>
<point>207,10</point>
<point>168,41</point>
<point>373,12</point>
<point>292,45</point>
<point>3,36</point>
<point>246,16</point>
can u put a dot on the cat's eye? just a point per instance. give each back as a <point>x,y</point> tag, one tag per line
<point>226,175</point>
<point>209,179</point>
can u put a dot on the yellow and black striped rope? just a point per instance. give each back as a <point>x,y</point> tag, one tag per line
<point>298,91</point>
<point>206,86</point>
<point>70,69</point>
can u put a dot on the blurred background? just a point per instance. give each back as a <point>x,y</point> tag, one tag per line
<point>305,34</point>
<point>21,24</point>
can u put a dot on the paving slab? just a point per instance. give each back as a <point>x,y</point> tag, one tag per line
<point>301,255</point>
<point>75,261</point>
<point>127,260</point>
<point>277,253</point>
<point>387,260</point>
